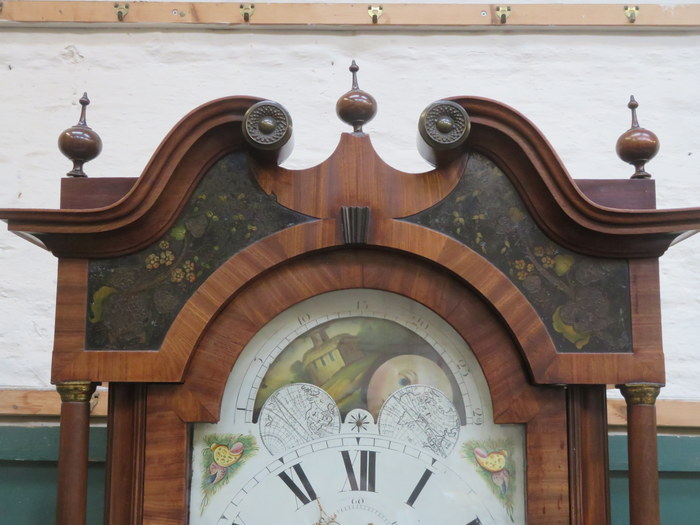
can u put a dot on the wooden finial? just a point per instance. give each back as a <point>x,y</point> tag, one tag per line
<point>354,68</point>
<point>637,145</point>
<point>80,143</point>
<point>356,107</point>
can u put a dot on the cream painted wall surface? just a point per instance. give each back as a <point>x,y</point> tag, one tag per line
<point>573,85</point>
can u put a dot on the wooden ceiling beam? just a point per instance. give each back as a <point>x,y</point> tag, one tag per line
<point>347,15</point>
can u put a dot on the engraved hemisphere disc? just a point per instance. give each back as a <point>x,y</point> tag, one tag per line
<point>296,414</point>
<point>422,416</point>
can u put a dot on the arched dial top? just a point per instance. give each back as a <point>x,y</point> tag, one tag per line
<point>370,409</point>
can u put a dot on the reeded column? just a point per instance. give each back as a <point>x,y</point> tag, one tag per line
<point>73,451</point>
<point>642,452</point>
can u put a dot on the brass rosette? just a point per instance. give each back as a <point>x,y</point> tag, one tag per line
<point>267,125</point>
<point>444,125</point>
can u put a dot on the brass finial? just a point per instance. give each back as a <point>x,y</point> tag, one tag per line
<point>637,145</point>
<point>80,143</point>
<point>356,107</point>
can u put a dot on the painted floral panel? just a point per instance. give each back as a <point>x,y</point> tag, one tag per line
<point>583,301</point>
<point>133,300</point>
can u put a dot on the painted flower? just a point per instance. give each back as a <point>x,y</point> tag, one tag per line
<point>167,258</point>
<point>152,261</point>
<point>189,268</point>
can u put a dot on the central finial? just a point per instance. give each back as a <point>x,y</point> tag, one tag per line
<point>356,107</point>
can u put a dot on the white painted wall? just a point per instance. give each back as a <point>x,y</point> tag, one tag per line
<point>574,86</point>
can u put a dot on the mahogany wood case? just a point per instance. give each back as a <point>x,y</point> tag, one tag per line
<point>542,371</point>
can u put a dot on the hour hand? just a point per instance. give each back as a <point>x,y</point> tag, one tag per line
<point>325,518</point>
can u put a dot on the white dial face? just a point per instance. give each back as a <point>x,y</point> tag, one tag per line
<point>357,407</point>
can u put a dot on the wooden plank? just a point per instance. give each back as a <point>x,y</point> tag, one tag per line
<point>43,403</point>
<point>313,15</point>
<point>669,413</point>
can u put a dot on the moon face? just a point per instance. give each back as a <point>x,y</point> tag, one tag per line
<point>401,371</point>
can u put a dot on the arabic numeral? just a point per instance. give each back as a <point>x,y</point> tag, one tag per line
<point>463,368</point>
<point>478,416</point>
<point>303,319</point>
<point>362,305</point>
<point>419,322</point>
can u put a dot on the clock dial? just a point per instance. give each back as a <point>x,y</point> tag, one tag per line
<point>357,407</point>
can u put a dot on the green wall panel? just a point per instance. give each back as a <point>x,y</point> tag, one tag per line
<point>679,479</point>
<point>28,492</point>
<point>28,470</point>
<point>41,443</point>
<point>680,498</point>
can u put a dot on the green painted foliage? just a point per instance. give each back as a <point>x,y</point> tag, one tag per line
<point>492,460</point>
<point>222,457</point>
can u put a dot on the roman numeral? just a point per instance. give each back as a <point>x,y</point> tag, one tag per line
<point>419,487</point>
<point>236,521</point>
<point>305,494</point>
<point>368,470</point>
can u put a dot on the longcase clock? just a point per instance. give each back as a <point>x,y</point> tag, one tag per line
<point>351,344</point>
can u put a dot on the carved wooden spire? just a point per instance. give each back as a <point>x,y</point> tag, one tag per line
<point>356,107</point>
<point>637,145</point>
<point>80,143</point>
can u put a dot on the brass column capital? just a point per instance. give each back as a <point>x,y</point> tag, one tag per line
<point>640,393</point>
<point>76,391</point>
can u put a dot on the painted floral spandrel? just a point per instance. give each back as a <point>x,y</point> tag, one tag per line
<point>583,301</point>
